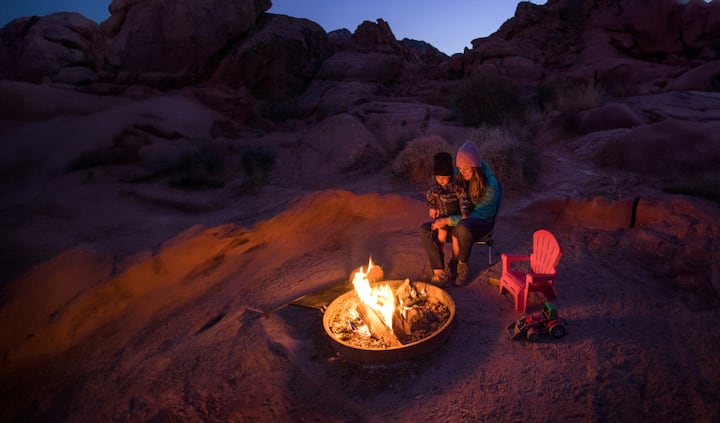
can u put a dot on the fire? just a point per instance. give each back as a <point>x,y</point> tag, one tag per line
<point>379,298</point>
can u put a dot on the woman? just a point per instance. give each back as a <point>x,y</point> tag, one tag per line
<point>484,192</point>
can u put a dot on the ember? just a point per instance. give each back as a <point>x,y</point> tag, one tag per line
<point>388,316</point>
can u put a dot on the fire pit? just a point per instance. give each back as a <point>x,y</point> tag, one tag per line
<point>388,321</point>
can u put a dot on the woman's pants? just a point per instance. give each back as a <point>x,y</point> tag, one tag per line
<point>466,232</point>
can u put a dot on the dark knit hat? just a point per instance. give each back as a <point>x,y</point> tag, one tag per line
<point>443,164</point>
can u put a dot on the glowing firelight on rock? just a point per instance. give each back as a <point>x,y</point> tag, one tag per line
<point>379,298</point>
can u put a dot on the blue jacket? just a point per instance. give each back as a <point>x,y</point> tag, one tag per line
<point>486,208</point>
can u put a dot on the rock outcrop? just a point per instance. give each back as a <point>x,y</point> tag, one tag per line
<point>174,171</point>
<point>628,47</point>
<point>173,43</point>
<point>345,103</point>
<point>58,47</point>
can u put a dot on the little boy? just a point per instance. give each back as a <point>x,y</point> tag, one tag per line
<point>445,196</point>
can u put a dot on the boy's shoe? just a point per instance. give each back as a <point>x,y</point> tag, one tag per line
<point>462,274</point>
<point>452,267</point>
<point>439,279</point>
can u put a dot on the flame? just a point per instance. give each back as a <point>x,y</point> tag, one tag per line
<point>379,298</point>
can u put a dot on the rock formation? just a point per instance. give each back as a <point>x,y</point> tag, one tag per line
<point>152,162</point>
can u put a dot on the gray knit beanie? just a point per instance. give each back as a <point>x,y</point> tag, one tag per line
<point>468,155</point>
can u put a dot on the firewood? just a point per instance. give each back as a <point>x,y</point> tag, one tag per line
<point>375,325</point>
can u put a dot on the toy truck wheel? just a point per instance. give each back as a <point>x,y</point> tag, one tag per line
<point>533,335</point>
<point>557,330</point>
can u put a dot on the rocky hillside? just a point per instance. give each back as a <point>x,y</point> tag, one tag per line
<point>613,84</point>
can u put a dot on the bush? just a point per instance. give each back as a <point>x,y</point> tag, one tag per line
<point>203,168</point>
<point>124,149</point>
<point>487,99</point>
<point>257,162</point>
<point>513,162</point>
<point>572,96</point>
<point>415,161</point>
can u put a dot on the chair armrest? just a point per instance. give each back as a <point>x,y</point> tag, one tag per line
<point>509,259</point>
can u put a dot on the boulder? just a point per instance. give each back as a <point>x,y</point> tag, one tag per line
<point>609,116</point>
<point>37,49</point>
<point>426,52</point>
<point>278,60</point>
<point>323,99</point>
<point>358,66</point>
<point>670,148</point>
<point>172,43</point>
<point>396,122</point>
<point>338,145</point>
<point>378,37</point>
<point>705,77</point>
<point>26,102</point>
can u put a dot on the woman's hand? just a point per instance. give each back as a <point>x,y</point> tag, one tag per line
<point>441,223</point>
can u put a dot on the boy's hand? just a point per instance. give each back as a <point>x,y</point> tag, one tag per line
<point>434,213</point>
<point>441,223</point>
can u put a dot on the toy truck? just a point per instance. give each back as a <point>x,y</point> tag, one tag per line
<point>533,326</point>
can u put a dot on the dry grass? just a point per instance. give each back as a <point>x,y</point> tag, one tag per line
<point>487,99</point>
<point>512,160</point>
<point>571,96</point>
<point>415,161</point>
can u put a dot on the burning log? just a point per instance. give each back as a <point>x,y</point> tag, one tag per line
<point>407,315</point>
<point>404,324</point>
<point>375,325</point>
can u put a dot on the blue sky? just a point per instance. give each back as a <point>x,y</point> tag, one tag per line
<point>449,25</point>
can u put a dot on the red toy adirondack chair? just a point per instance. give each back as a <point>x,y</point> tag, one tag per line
<point>543,259</point>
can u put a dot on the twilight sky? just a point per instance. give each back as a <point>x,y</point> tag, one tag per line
<point>449,25</point>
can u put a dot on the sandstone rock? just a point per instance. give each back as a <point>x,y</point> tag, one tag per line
<point>338,145</point>
<point>684,106</point>
<point>340,36</point>
<point>667,148</point>
<point>378,37</point>
<point>278,60</point>
<point>174,43</point>
<point>396,122</point>
<point>26,102</point>
<point>356,66</point>
<point>426,52</point>
<point>599,212</point>
<point>705,77</point>
<point>323,99</point>
<point>37,48</point>
<point>609,116</point>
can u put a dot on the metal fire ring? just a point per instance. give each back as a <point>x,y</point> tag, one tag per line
<point>391,354</point>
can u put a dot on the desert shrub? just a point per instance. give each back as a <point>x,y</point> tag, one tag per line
<point>200,169</point>
<point>257,162</point>
<point>101,156</point>
<point>486,99</point>
<point>415,161</point>
<point>124,149</point>
<point>570,96</point>
<point>513,161</point>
